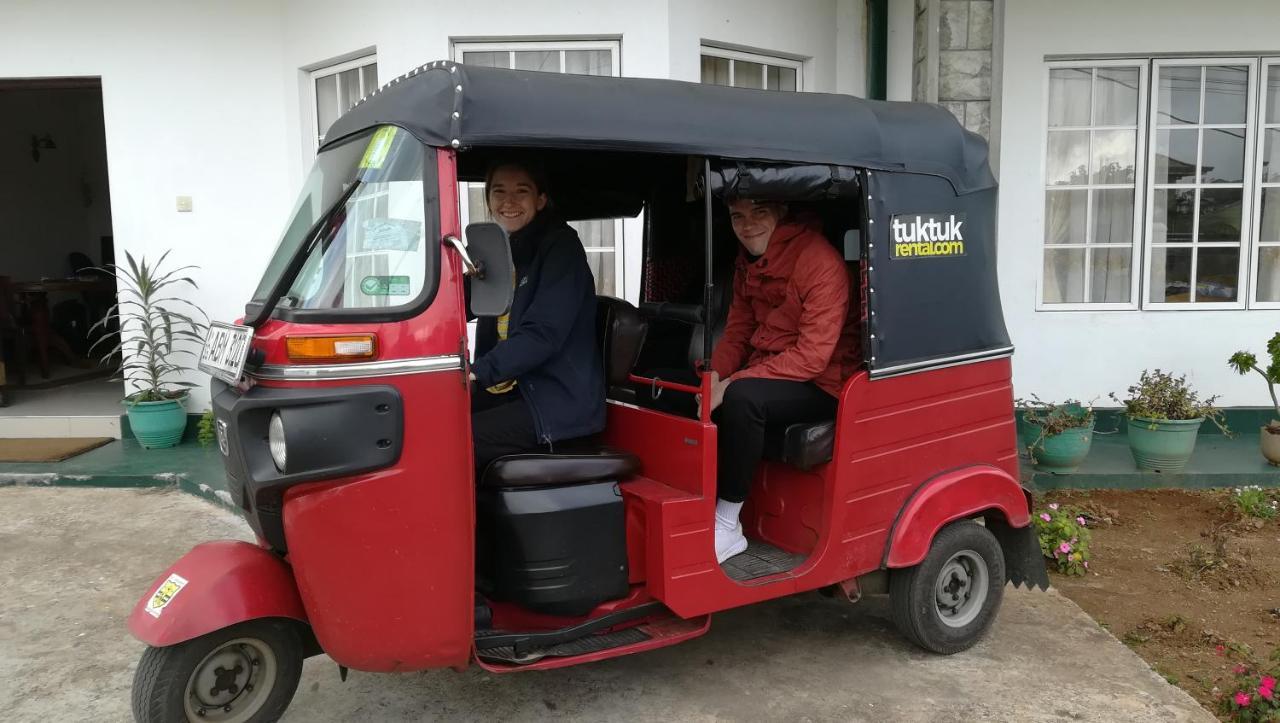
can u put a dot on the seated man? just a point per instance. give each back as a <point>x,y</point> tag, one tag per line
<point>538,374</point>
<point>785,351</point>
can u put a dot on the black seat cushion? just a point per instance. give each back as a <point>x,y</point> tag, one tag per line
<point>804,445</point>
<point>575,467</point>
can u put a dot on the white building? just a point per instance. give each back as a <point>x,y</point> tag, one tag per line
<point>211,113</point>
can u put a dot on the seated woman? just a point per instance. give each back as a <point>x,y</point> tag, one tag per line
<point>538,374</point>
<point>785,351</point>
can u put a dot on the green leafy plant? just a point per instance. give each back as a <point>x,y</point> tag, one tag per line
<point>1251,697</point>
<point>1054,418</point>
<point>1162,396</point>
<point>1253,501</point>
<point>1064,538</point>
<point>205,433</point>
<point>156,332</point>
<point>1244,362</point>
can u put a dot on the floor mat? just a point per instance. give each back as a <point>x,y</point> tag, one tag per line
<point>47,449</point>
<point>581,646</point>
<point>760,560</point>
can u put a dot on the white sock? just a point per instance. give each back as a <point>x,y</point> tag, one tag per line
<point>727,514</point>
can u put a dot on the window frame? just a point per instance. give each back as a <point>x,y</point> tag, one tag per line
<point>324,71</point>
<point>1246,212</point>
<point>1265,64</point>
<point>762,57</point>
<point>1136,264</point>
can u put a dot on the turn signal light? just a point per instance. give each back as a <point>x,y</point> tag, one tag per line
<point>331,348</point>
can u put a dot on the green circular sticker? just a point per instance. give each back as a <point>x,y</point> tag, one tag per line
<point>371,285</point>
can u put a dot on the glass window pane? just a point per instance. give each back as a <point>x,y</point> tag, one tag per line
<point>602,268</point>
<point>1173,215</point>
<point>1269,273</point>
<point>1223,158</point>
<point>1271,155</point>
<point>326,103</point>
<point>588,62</point>
<point>1063,276</point>
<point>1225,93</point>
<point>1273,94</point>
<point>1113,216</point>
<point>1069,96</point>
<point>715,70</point>
<point>1179,93</point>
<point>1170,274</point>
<point>780,78</point>
<point>1217,272</point>
<point>477,208</point>
<point>547,61</point>
<point>1114,154</point>
<point>747,74</point>
<point>1110,276</point>
<point>349,88</point>
<point>1220,214</point>
<point>1176,156</point>
<point>1115,97</point>
<point>1270,227</point>
<point>1064,216</point>
<point>596,233</point>
<point>1068,161</point>
<point>496,59</point>
<point>369,76</point>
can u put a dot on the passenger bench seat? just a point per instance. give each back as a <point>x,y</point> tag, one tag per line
<point>805,445</point>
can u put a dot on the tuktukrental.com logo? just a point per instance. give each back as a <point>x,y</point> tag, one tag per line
<point>927,235</point>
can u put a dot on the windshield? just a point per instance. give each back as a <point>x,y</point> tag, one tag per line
<point>359,224</point>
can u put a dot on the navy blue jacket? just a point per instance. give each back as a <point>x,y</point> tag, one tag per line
<point>551,348</point>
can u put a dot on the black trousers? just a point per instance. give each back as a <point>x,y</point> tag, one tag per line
<point>501,424</point>
<point>749,406</point>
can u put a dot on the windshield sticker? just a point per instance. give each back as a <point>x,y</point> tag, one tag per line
<point>927,235</point>
<point>376,153</point>
<point>385,285</point>
<point>391,234</point>
<point>165,594</point>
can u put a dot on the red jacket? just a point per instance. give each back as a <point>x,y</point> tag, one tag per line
<point>789,318</point>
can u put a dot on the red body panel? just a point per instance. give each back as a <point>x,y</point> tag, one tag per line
<point>227,583</point>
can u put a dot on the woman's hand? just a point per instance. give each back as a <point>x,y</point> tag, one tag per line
<point>717,392</point>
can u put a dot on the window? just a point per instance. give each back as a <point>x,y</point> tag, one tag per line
<point>337,88</point>
<point>1158,204</point>
<point>750,70</point>
<point>601,238</point>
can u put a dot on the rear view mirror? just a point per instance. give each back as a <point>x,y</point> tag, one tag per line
<point>492,280</point>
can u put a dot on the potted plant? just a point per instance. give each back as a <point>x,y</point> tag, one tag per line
<point>154,337</point>
<point>1057,436</point>
<point>1244,362</point>
<point>1165,415</point>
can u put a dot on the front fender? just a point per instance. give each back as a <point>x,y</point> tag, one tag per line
<point>214,585</point>
<point>948,497</point>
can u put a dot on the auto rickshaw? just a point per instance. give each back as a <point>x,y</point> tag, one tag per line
<point>342,399</point>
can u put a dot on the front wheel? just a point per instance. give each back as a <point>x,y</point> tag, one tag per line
<point>245,673</point>
<point>948,601</point>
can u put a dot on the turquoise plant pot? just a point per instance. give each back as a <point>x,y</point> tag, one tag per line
<point>1163,445</point>
<point>158,424</point>
<point>1062,453</point>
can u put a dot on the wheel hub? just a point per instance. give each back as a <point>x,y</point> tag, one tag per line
<point>232,682</point>
<point>961,588</point>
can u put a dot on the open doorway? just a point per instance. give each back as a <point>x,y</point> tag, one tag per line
<point>55,200</point>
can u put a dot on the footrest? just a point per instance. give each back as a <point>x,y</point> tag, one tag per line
<point>581,646</point>
<point>760,560</point>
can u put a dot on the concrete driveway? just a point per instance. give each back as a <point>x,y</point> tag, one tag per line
<point>73,562</point>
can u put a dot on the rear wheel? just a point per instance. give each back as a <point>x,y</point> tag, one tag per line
<point>246,673</point>
<point>948,601</point>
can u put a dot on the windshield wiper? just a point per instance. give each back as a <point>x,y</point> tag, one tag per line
<point>299,258</point>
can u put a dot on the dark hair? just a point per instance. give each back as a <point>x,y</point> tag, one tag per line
<point>537,172</point>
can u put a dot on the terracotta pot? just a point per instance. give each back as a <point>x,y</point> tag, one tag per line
<point>1270,445</point>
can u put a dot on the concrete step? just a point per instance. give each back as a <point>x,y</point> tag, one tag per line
<point>28,427</point>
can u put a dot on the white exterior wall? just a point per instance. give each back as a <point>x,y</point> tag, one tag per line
<point>1085,355</point>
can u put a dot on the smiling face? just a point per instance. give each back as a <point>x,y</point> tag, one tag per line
<point>754,222</point>
<point>514,199</point>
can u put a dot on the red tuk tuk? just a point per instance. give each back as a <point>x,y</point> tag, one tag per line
<point>342,399</point>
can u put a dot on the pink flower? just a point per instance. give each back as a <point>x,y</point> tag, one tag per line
<point>1045,516</point>
<point>1220,649</point>
<point>1268,682</point>
<point>1064,548</point>
<point>1267,693</point>
<point>1053,506</point>
<point>1240,669</point>
<point>1080,521</point>
<point>1086,564</point>
<point>1242,699</point>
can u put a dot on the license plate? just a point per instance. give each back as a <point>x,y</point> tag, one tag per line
<point>225,350</point>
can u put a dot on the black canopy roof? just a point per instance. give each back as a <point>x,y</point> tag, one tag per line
<point>450,104</point>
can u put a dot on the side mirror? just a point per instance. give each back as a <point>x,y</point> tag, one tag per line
<point>488,252</point>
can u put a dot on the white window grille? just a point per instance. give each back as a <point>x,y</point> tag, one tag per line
<point>739,69</point>
<point>336,88</point>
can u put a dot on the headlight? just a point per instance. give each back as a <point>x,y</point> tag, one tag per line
<point>275,440</point>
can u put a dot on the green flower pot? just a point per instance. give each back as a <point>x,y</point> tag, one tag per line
<point>1062,453</point>
<point>1163,445</point>
<point>158,424</point>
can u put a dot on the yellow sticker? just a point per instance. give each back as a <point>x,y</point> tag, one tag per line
<point>165,594</point>
<point>376,153</point>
